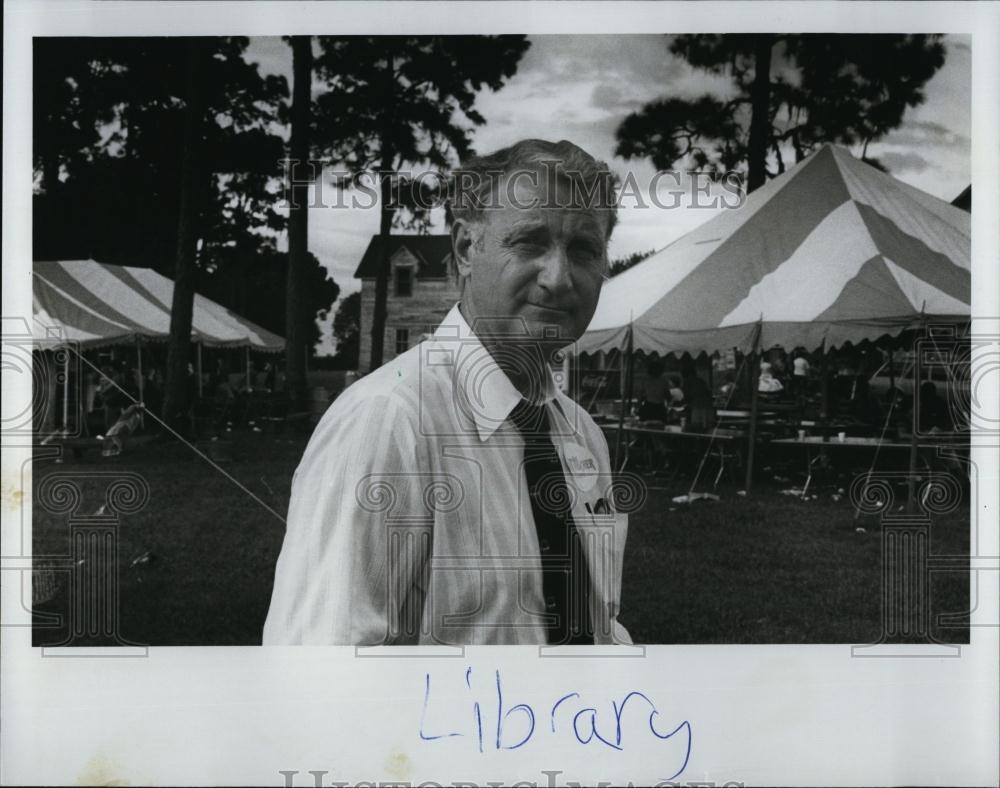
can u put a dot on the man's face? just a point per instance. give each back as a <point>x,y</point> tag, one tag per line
<point>534,262</point>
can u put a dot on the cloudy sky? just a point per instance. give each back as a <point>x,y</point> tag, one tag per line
<point>581,87</point>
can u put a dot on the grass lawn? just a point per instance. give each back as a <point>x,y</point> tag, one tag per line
<point>195,566</point>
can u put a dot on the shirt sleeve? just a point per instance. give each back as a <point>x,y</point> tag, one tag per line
<point>352,565</point>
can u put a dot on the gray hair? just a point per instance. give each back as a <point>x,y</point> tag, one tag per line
<point>474,186</point>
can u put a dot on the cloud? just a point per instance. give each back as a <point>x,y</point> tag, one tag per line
<point>927,132</point>
<point>959,43</point>
<point>608,96</point>
<point>580,87</point>
<point>910,161</point>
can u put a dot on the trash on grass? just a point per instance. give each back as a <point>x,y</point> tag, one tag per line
<point>142,560</point>
<point>692,497</point>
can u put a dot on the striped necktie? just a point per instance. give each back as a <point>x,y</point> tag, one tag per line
<point>565,577</point>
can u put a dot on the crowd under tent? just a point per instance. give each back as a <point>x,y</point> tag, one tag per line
<point>86,305</point>
<point>831,252</point>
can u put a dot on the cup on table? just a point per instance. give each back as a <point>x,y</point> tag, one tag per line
<point>802,435</point>
<point>841,436</point>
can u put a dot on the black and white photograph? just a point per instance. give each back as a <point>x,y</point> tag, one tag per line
<point>418,337</point>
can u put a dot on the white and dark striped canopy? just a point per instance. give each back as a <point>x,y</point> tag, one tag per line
<point>832,250</point>
<point>95,305</point>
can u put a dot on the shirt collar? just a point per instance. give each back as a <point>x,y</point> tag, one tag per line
<point>482,389</point>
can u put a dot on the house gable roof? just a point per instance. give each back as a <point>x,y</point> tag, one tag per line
<point>431,251</point>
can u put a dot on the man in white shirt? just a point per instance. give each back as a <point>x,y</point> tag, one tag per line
<point>455,495</point>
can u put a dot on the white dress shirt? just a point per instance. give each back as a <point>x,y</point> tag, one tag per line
<point>410,522</point>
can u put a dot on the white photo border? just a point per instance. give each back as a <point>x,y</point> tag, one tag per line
<point>764,715</point>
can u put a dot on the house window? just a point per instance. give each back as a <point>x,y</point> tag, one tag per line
<point>404,281</point>
<point>402,340</point>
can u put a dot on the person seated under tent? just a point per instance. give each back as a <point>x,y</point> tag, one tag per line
<point>932,413</point>
<point>768,383</point>
<point>655,392</point>
<point>698,398</point>
<point>128,422</point>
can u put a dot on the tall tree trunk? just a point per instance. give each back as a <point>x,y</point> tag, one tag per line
<point>385,227</point>
<point>298,225</point>
<point>176,394</point>
<point>760,117</point>
<point>382,276</point>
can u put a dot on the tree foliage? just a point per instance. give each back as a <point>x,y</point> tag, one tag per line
<point>624,263</point>
<point>109,132</point>
<point>347,331</point>
<point>252,282</point>
<point>391,102</point>
<point>117,162</point>
<point>799,90</point>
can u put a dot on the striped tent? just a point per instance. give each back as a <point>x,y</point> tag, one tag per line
<point>832,250</point>
<point>96,305</point>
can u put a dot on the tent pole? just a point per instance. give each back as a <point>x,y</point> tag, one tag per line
<point>199,370</point>
<point>892,375</point>
<point>138,356</point>
<point>65,413</point>
<point>824,406</point>
<point>911,477</point>
<point>249,384</point>
<point>625,363</point>
<point>752,381</point>
<point>754,397</point>
<point>911,480</point>
<point>140,381</point>
<point>46,357</point>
